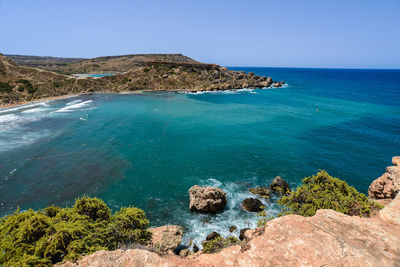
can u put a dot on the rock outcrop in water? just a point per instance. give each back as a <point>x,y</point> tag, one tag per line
<point>279,185</point>
<point>262,192</point>
<point>206,199</point>
<point>388,185</point>
<point>252,205</point>
<point>328,238</point>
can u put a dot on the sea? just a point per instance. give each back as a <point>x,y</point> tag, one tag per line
<point>147,149</point>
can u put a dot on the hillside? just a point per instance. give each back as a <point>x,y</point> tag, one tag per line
<point>108,64</point>
<point>20,83</point>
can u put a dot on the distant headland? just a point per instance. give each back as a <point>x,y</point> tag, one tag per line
<point>29,78</point>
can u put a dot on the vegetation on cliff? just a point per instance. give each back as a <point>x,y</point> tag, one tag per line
<point>219,243</point>
<point>322,191</point>
<point>48,236</point>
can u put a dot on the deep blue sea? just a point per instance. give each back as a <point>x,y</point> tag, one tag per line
<point>148,149</point>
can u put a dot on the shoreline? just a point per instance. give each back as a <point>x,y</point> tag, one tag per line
<point>121,92</point>
<point>38,100</point>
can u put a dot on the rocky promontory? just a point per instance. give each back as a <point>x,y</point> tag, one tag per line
<point>19,84</point>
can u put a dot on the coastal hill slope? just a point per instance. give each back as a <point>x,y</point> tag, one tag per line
<point>328,238</point>
<point>19,84</point>
<point>107,64</point>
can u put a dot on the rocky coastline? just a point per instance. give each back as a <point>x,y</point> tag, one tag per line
<point>326,238</point>
<point>22,84</point>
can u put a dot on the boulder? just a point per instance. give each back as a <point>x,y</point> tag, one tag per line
<point>277,84</point>
<point>252,205</point>
<point>280,186</point>
<point>262,192</point>
<point>242,233</point>
<point>206,199</point>
<point>166,238</point>
<point>212,236</point>
<point>232,228</point>
<point>388,185</point>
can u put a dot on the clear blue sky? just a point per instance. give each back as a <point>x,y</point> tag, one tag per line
<point>293,33</point>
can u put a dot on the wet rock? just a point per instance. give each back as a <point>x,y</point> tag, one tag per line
<point>388,185</point>
<point>242,233</point>
<point>277,84</point>
<point>262,192</point>
<point>206,199</point>
<point>232,228</point>
<point>212,236</point>
<point>167,237</point>
<point>252,205</point>
<point>280,186</point>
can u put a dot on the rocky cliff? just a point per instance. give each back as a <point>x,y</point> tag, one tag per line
<point>328,238</point>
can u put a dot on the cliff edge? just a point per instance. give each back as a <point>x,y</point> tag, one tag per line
<point>328,238</point>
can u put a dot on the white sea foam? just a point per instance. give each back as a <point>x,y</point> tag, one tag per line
<point>74,102</point>
<point>222,92</point>
<point>8,118</point>
<point>33,110</point>
<point>201,225</point>
<point>75,106</point>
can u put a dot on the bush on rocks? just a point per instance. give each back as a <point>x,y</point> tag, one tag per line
<point>322,191</point>
<point>217,244</point>
<point>56,234</point>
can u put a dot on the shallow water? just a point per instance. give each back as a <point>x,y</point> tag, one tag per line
<point>148,149</point>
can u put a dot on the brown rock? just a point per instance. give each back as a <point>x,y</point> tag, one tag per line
<point>243,232</point>
<point>167,237</point>
<point>232,228</point>
<point>206,199</point>
<point>279,185</point>
<point>252,205</point>
<point>388,185</point>
<point>277,84</point>
<point>262,192</point>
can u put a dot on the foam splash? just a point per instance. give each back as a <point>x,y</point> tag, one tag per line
<point>200,225</point>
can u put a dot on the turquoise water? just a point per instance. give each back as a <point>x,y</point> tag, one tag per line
<point>148,149</point>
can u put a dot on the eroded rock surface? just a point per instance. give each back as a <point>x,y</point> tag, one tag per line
<point>206,199</point>
<point>388,185</point>
<point>166,238</point>
<point>328,238</point>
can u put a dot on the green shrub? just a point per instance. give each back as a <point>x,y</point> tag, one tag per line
<point>323,191</point>
<point>217,244</point>
<point>27,85</point>
<point>5,88</point>
<point>146,70</point>
<point>52,235</point>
